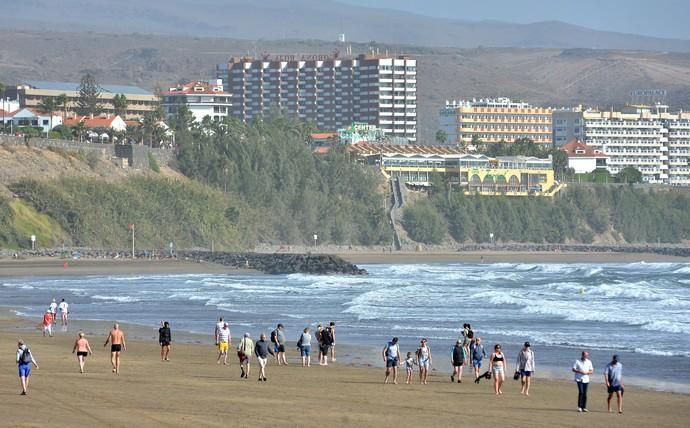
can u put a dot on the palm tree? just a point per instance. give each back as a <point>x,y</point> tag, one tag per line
<point>61,101</point>
<point>49,105</point>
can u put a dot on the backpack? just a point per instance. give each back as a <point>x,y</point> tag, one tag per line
<point>274,335</point>
<point>25,358</point>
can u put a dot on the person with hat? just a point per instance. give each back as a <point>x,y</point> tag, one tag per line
<point>244,353</point>
<point>48,323</point>
<point>525,367</point>
<point>457,360</point>
<point>613,378</point>
<point>477,354</point>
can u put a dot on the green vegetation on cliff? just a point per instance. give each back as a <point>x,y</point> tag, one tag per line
<point>578,214</point>
<point>297,193</point>
<point>97,213</point>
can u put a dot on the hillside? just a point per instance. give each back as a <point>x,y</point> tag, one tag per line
<point>542,76</point>
<point>311,19</point>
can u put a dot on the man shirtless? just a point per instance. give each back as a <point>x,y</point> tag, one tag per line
<point>116,337</point>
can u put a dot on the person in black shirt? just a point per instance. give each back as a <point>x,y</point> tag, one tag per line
<point>164,338</point>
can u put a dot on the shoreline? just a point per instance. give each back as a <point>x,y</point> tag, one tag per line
<point>53,266</point>
<point>192,389</point>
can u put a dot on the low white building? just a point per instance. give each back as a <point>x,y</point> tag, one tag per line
<point>582,158</point>
<point>32,118</point>
<point>201,98</point>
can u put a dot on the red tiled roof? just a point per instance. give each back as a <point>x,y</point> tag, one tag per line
<point>189,88</point>
<point>323,135</point>
<point>91,122</point>
<point>574,146</point>
<point>321,150</point>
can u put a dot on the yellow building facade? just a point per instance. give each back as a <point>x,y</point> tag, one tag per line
<point>495,120</point>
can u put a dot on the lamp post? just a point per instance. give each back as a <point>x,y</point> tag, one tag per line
<point>316,239</point>
<point>491,237</point>
<point>131,227</point>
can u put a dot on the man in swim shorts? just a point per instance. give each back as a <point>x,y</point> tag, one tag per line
<point>613,378</point>
<point>116,338</point>
<point>391,357</point>
<point>244,353</point>
<point>223,344</point>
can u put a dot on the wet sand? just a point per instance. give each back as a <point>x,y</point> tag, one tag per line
<point>192,390</point>
<point>49,266</point>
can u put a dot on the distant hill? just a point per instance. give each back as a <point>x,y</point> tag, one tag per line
<point>550,77</point>
<point>309,19</point>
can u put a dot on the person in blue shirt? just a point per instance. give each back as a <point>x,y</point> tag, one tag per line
<point>613,378</point>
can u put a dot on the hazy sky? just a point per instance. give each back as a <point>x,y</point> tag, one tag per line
<point>659,18</point>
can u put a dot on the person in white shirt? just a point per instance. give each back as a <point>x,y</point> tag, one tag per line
<point>224,344</point>
<point>64,310</point>
<point>53,310</point>
<point>582,369</point>
<point>219,327</point>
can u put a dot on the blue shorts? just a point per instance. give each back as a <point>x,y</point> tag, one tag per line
<point>305,350</point>
<point>24,370</point>
<point>525,373</point>
<point>391,362</point>
<point>477,364</point>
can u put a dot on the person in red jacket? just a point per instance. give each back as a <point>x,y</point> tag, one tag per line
<point>48,323</point>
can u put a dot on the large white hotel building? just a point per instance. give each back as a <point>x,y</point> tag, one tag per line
<point>333,92</point>
<point>650,139</point>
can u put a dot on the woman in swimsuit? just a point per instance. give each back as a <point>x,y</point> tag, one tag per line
<point>424,362</point>
<point>82,348</point>
<point>497,366</point>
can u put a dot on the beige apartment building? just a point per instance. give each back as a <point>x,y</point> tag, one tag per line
<point>495,120</point>
<point>32,93</point>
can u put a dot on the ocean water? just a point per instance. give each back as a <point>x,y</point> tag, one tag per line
<point>639,311</point>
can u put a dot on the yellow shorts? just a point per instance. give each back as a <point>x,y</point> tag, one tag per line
<point>223,346</point>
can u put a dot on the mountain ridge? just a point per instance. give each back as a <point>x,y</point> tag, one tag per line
<point>314,19</point>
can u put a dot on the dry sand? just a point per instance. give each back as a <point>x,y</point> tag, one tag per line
<point>192,390</point>
<point>506,257</point>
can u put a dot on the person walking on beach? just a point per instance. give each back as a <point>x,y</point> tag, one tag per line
<point>24,360</point>
<point>304,345</point>
<point>278,338</point>
<point>164,339</point>
<point>525,366</point>
<point>467,337</point>
<point>223,341</point>
<point>116,337</point>
<point>613,378</point>
<point>391,357</point>
<point>82,348</point>
<point>424,360</point>
<point>244,354</point>
<point>409,367</point>
<point>48,323</point>
<point>326,343</point>
<point>457,360</point>
<point>319,330</point>
<point>497,365</point>
<point>64,311</point>
<point>53,310</point>
<point>477,354</point>
<point>332,328</point>
<point>582,368</point>
<point>261,349</point>
<point>219,327</point>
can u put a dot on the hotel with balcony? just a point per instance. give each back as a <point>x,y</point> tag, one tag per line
<point>475,173</point>
<point>495,120</point>
<point>201,98</point>
<point>331,91</point>
<point>650,139</point>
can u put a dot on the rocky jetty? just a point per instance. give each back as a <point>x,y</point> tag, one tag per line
<point>668,250</point>
<point>278,263</point>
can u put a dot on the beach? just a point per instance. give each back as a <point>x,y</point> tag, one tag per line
<point>192,390</point>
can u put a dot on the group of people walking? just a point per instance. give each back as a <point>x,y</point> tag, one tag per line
<point>325,337</point>
<point>469,349</point>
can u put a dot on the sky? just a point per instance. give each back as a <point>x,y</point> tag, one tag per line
<point>658,18</point>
